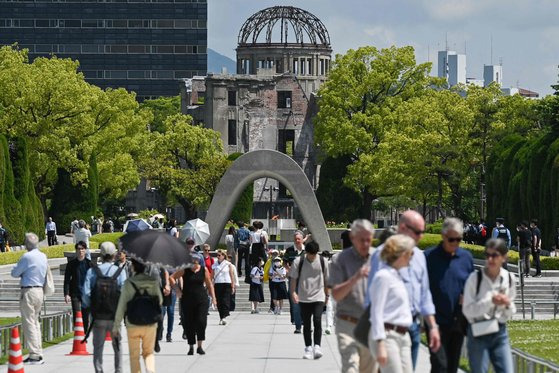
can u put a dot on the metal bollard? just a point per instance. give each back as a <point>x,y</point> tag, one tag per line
<point>533,309</point>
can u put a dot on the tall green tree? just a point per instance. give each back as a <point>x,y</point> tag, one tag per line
<point>357,103</point>
<point>66,121</point>
<point>185,162</point>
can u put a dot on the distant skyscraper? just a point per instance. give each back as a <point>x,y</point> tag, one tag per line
<point>492,73</point>
<point>452,66</point>
<point>141,45</point>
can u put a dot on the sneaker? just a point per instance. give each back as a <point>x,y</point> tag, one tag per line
<point>327,331</point>
<point>309,354</point>
<point>538,275</point>
<point>222,322</point>
<point>297,331</point>
<point>169,338</point>
<point>317,352</point>
<point>30,361</point>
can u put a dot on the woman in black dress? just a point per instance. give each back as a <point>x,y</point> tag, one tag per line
<point>194,301</point>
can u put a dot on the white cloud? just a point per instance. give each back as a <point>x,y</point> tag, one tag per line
<point>449,10</point>
<point>381,35</point>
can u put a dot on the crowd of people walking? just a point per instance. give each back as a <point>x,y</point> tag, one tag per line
<point>376,300</point>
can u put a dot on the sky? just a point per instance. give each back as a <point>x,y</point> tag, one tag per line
<point>525,33</point>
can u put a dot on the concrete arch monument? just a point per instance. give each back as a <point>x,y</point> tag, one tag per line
<point>260,164</point>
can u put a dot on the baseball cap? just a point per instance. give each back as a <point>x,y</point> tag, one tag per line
<point>107,248</point>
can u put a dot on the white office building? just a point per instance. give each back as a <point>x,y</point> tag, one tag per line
<point>452,66</point>
<point>492,73</point>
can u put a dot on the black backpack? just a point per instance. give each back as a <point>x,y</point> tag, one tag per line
<point>105,294</point>
<point>143,309</point>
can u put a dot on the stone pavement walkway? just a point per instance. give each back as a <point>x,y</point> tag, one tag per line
<point>248,344</point>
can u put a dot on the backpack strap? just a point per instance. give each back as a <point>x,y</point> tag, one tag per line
<point>135,288</point>
<point>97,270</point>
<point>299,270</point>
<point>117,273</point>
<point>478,281</point>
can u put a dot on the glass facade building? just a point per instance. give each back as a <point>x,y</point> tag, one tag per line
<point>141,45</point>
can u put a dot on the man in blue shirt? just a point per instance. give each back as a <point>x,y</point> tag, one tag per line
<point>32,269</point>
<point>101,327</point>
<point>502,232</point>
<point>416,279</point>
<point>449,266</point>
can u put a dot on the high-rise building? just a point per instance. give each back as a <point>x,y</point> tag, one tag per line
<point>452,66</point>
<point>492,73</point>
<point>141,45</point>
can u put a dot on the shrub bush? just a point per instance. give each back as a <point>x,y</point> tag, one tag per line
<point>112,237</point>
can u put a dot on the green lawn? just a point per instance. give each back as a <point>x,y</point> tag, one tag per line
<point>8,320</point>
<point>536,337</point>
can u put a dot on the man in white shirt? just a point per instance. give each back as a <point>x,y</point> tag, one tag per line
<point>50,230</point>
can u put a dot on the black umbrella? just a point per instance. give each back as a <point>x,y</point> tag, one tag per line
<point>156,247</point>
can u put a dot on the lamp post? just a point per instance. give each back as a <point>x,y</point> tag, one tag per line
<point>271,189</point>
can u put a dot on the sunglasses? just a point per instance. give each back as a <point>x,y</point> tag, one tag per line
<point>492,255</point>
<point>418,232</point>
<point>454,239</point>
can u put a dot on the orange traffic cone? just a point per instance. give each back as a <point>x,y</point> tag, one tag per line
<point>108,336</point>
<point>15,362</point>
<point>79,335</point>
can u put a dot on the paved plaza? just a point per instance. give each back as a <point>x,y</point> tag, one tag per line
<point>248,344</point>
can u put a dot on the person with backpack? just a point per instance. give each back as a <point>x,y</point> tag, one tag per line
<point>243,235</point>
<point>524,244</point>
<point>140,303</point>
<point>308,289</point>
<point>101,294</point>
<point>502,232</point>
<point>489,296</point>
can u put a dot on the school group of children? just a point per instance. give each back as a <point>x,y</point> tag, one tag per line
<point>275,274</point>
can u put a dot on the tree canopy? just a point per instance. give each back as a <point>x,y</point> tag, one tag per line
<point>357,104</point>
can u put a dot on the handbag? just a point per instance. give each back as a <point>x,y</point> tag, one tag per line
<point>363,327</point>
<point>485,327</point>
<point>48,287</point>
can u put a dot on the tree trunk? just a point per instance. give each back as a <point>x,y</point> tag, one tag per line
<point>366,207</point>
<point>439,196</point>
<point>189,208</point>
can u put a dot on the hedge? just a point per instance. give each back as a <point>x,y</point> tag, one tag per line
<point>51,252</point>
<point>430,240</point>
<point>112,237</point>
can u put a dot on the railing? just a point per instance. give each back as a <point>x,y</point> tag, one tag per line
<point>526,363</point>
<point>52,326</point>
<point>522,362</point>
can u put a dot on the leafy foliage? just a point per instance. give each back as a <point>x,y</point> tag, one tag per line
<point>185,162</point>
<point>243,208</point>
<point>337,201</point>
<point>357,104</point>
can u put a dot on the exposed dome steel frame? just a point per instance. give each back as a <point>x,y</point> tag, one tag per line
<point>302,22</point>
